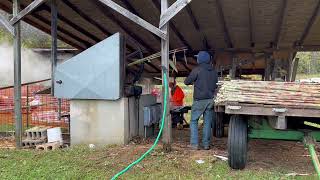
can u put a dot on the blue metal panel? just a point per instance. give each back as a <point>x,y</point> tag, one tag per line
<point>95,73</point>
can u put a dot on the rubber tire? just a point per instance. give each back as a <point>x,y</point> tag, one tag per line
<point>219,126</point>
<point>237,142</point>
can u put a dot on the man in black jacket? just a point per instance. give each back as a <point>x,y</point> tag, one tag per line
<point>204,78</point>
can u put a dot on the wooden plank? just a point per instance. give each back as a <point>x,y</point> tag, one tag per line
<point>269,111</point>
<point>173,10</point>
<point>54,42</point>
<point>26,11</point>
<point>6,24</point>
<point>136,19</point>
<point>17,76</point>
<point>167,130</point>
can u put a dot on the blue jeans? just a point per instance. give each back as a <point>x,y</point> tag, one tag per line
<point>198,108</point>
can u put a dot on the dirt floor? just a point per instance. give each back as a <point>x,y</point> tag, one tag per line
<point>288,156</point>
<point>280,156</point>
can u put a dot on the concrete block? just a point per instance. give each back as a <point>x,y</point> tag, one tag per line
<point>49,146</point>
<point>32,143</point>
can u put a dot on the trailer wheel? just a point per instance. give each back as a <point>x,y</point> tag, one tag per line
<point>237,142</point>
<point>218,125</point>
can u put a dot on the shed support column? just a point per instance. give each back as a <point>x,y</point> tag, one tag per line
<point>233,70</point>
<point>267,71</point>
<point>54,19</point>
<point>17,75</point>
<point>294,69</point>
<point>167,130</point>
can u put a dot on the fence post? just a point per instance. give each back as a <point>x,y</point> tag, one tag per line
<point>28,107</point>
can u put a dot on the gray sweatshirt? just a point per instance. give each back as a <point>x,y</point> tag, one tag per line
<point>204,78</point>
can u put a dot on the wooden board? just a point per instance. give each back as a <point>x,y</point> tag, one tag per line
<point>260,110</point>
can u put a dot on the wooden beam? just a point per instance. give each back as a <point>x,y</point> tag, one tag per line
<point>48,30</point>
<point>173,10</point>
<point>197,27</point>
<point>54,42</point>
<point>267,71</point>
<point>310,24</point>
<point>173,27</point>
<point>96,24</point>
<point>167,130</point>
<point>6,24</point>
<point>280,23</point>
<point>136,19</point>
<point>127,30</point>
<point>26,11</point>
<point>251,30</point>
<point>86,17</point>
<point>294,69</point>
<point>233,70</point>
<point>224,25</point>
<point>17,76</point>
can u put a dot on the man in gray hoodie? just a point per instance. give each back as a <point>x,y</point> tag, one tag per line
<point>204,78</point>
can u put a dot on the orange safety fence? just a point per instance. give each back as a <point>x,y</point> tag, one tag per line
<point>38,109</point>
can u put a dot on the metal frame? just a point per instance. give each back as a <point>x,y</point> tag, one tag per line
<point>167,13</point>
<point>264,131</point>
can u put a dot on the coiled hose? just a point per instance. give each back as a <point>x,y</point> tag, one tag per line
<point>166,87</point>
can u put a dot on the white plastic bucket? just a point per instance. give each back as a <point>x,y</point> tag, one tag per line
<point>54,135</point>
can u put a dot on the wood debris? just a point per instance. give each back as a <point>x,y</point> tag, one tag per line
<point>291,94</point>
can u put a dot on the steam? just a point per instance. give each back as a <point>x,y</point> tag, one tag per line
<point>34,67</point>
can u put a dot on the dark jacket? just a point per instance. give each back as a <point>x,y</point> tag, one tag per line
<point>204,78</point>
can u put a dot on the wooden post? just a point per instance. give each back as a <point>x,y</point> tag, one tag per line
<point>294,69</point>
<point>17,75</point>
<point>267,72</point>
<point>167,130</point>
<point>54,55</point>
<point>274,69</point>
<point>233,70</point>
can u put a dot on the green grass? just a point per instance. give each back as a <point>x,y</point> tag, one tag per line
<point>307,76</point>
<point>103,163</point>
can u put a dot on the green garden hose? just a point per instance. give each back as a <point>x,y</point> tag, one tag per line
<point>315,159</point>
<point>159,134</point>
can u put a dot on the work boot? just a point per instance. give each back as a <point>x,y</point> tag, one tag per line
<point>194,147</point>
<point>206,147</point>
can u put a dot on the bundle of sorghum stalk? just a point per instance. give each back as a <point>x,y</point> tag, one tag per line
<point>269,93</point>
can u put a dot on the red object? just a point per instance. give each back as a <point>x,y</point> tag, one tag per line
<point>177,96</point>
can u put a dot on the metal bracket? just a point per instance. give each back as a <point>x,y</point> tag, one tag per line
<point>234,107</point>
<point>279,110</point>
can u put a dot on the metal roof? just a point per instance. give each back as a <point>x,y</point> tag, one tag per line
<point>247,25</point>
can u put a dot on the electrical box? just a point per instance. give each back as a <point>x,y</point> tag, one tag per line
<point>96,73</point>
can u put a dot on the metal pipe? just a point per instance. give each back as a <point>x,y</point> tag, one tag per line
<point>315,159</point>
<point>17,75</point>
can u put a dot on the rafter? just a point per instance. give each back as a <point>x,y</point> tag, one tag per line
<point>251,30</point>
<point>310,24</point>
<point>197,27</point>
<point>224,25</point>
<point>136,19</point>
<point>26,11</point>
<point>280,23</point>
<point>6,24</point>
